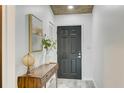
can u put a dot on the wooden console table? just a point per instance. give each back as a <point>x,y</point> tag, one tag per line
<point>39,76</point>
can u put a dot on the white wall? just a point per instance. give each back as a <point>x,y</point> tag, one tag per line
<point>107,41</point>
<point>85,20</point>
<point>21,35</point>
<point>108,46</point>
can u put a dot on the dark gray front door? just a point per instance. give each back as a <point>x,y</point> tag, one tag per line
<point>69,51</point>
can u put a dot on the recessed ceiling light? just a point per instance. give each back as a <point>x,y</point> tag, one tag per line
<point>70,7</point>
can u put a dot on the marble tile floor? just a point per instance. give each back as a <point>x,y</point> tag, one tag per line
<point>74,83</point>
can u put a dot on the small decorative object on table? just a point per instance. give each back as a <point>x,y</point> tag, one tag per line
<point>28,60</point>
<point>48,44</point>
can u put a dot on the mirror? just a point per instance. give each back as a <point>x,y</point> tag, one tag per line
<point>35,33</point>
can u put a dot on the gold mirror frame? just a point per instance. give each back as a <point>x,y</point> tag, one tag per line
<point>30,17</point>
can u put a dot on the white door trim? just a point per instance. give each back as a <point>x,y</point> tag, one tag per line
<point>8,45</point>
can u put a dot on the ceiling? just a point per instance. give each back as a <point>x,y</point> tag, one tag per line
<point>78,9</point>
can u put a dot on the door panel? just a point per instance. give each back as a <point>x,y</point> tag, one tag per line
<point>69,51</point>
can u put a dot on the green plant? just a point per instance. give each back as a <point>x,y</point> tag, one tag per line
<point>53,44</point>
<point>47,43</point>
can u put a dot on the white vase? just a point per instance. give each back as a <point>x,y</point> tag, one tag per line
<point>47,57</point>
<point>44,56</point>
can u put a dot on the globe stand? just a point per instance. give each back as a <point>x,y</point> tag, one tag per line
<point>28,70</point>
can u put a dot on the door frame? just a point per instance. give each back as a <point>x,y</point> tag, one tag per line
<point>82,47</point>
<point>8,44</point>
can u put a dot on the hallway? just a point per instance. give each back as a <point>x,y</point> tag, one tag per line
<point>100,56</point>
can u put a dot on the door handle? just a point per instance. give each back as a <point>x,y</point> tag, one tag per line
<point>79,53</point>
<point>79,56</point>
